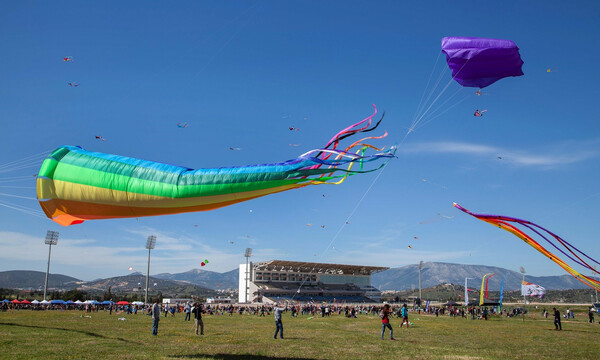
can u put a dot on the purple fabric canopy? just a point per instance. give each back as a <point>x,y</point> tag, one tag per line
<point>480,62</point>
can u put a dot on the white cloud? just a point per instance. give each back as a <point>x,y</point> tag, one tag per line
<point>568,152</point>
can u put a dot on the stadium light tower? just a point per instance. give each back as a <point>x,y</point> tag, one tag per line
<point>51,239</point>
<point>420,267</point>
<point>150,243</point>
<point>247,255</point>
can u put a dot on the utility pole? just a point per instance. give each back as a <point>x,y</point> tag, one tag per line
<point>51,239</point>
<point>150,244</point>
<point>420,267</point>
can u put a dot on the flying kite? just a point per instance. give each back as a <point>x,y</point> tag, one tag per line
<point>294,145</point>
<point>480,62</point>
<point>235,148</point>
<point>293,128</point>
<point>574,254</point>
<point>479,113</point>
<point>182,125</point>
<point>130,268</point>
<point>68,59</point>
<point>75,185</point>
<point>410,247</point>
<point>100,138</point>
<point>73,84</point>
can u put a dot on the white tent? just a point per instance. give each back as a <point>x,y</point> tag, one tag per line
<point>78,302</point>
<point>137,303</point>
<point>35,302</point>
<point>44,302</point>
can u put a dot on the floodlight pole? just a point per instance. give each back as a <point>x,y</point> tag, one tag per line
<point>51,239</point>
<point>420,267</point>
<point>247,255</point>
<point>149,245</point>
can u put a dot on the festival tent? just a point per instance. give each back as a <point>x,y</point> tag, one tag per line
<point>137,303</point>
<point>5,301</point>
<point>15,301</point>
<point>78,302</point>
<point>44,302</point>
<point>94,302</point>
<point>70,302</point>
<point>123,302</point>
<point>57,302</point>
<point>35,302</point>
<point>26,302</point>
<point>106,302</point>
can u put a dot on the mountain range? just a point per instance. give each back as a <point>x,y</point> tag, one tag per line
<point>205,282</point>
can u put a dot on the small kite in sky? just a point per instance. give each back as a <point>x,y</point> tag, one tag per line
<point>551,70</point>
<point>182,125</point>
<point>100,138</point>
<point>130,268</point>
<point>416,237</point>
<point>293,128</point>
<point>231,242</point>
<point>479,113</point>
<point>294,145</point>
<point>499,157</point>
<point>235,148</point>
<point>195,225</point>
<point>410,247</point>
<point>323,226</point>
<point>478,92</point>
<point>68,59</point>
<point>308,224</point>
<point>73,84</point>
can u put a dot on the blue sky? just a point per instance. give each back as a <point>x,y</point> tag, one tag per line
<point>240,73</point>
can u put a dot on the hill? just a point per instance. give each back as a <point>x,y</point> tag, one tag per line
<point>33,280</point>
<point>205,278</point>
<point>434,273</point>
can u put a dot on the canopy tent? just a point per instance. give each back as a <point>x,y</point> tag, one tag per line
<point>94,302</point>
<point>106,302</point>
<point>123,302</point>
<point>44,302</point>
<point>15,301</point>
<point>25,302</point>
<point>78,302</point>
<point>5,301</point>
<point>35,302</point>
<point>69,302</point>
<point>137,303</point>
<point>57,302</point>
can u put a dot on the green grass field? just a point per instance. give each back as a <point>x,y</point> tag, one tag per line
<point>66,335</point>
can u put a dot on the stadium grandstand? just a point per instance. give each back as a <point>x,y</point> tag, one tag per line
<point>277,280</point>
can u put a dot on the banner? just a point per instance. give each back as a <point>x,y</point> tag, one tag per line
<point>529,289</point>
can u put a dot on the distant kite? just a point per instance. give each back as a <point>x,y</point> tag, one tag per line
<point>100,138</point>
<point>235,148</point>
<point>182,125</point>
<point>293,128</point>
<point>75,185</point>
<point>479,113</point>
<point>576,255</point>
<point>68,59</point>
<point>73,84</point>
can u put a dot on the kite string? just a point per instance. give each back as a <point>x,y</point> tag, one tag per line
<point>427,86</point>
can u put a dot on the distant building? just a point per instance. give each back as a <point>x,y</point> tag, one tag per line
<point>176,301</point>
<point>219,300</point>
<point>276,280</point>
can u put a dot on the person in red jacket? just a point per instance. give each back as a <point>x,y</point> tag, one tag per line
<point>385,321</point>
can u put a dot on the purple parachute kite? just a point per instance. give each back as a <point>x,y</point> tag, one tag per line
<point>480,62</point>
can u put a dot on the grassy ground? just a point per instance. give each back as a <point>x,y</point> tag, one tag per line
<point>66,335</point>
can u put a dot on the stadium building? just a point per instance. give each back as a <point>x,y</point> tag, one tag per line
<point>277,280</point>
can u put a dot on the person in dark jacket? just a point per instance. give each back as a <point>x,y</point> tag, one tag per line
<point>557,325</point>
<point>197,311</point>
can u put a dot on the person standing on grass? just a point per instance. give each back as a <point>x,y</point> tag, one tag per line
<point>557,325</point>
<point>155,317</point>
<point>277,310</point>
<point>385,321</point>
<point>404,312</point>
<point>197,311</point>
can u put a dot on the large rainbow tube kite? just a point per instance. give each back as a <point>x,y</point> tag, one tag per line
<point>74,185</point>
<point>576,255</point>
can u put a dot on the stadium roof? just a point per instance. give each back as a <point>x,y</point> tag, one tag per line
<point>317,268</point>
